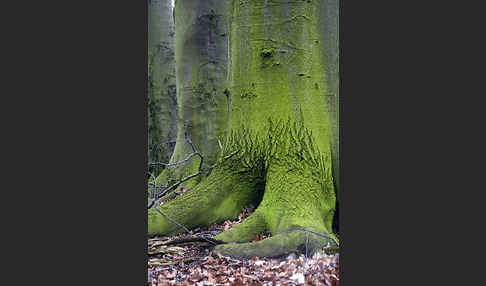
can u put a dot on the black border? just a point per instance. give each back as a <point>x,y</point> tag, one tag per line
<point>78,156</point>
<point>77,159</point>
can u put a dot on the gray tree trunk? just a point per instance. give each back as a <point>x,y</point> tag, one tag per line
<point>329,23</point>
<point>201,54</point>
<point>162,103</point>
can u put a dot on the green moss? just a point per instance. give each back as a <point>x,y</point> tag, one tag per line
<point>248,93</point>
<point>244,232</point>
<point>267,53</point>
<point>299,182</point>
<point>275,246</point>
<point>216,198</point>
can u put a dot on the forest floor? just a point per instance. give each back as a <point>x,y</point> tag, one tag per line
<point>193,263</point>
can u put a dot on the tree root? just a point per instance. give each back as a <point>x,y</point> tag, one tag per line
<point>275,246</point>
<point>218,197</point>
<point>284,241</point>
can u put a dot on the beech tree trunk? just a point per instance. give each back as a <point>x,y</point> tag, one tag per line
<point>201,52</point>
<point>277,151</point>
<point>329,22</point>
<point>162,102</point>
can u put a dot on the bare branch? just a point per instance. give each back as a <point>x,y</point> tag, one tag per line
<point>155,190</point>
<point>165,189</point>
<point>176,163</point>
<point>167,217</point>
<point>194,239</point>
<point>174,186</point>
<point>210,240</point>
<point>313,232</point>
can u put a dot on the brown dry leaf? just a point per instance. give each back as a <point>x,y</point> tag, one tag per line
<point>268,276</point>
<point>163,282</point>
<point>226,226</point>
<point>209,259</point>
<point>221,279</point>
<point>171,274</point>
<point>195,277</point>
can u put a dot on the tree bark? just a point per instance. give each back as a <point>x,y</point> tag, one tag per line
<point>162,102</point>
<point>201,52</point>
<point>278,141</point>
<point>329,23</point>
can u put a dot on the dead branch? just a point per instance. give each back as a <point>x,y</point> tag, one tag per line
<point>176,163</point>
<point>167,217</point>
<point>165,190</point>
<point>210,240</point>
<point>194,239</point>
<point>310,231</point>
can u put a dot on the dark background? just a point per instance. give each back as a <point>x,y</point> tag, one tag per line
<point>74,126</point>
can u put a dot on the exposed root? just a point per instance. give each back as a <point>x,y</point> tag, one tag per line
<point>275,246</point>
<point>286,239</point>
<point>218,197</point>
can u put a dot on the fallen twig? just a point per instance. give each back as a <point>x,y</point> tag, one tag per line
<point>183,227</point>
<point>194,239</point>
<point>165,189</point>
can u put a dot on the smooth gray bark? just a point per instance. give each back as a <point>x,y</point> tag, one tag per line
<point>201,68</point>
<point>162,103</point>
<point>329,23</point>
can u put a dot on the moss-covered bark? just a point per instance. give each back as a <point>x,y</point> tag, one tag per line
<point>218,197</point>
<point>201,52</point>
<point>298,192</point>
<point>162,104</point>
<point>278,133</point>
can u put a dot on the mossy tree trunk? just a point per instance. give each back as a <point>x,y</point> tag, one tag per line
<point>201,52</point>
<point>277,153</point>
<point>162,103</point>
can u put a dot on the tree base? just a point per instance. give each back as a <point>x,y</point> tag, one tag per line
<point>283,174</point>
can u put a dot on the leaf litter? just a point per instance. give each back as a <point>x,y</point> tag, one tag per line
<point>193,263</point>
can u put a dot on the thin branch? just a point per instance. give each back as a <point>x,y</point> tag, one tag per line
<point>167,217</point>
<point>176,163</point>
<point>175,185</point>
<point>306,242</point>
<point>155,191</point>
<point>313,232</point>
<point>210,240</point>
<point>194,239</point>
<point>220,146</point>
